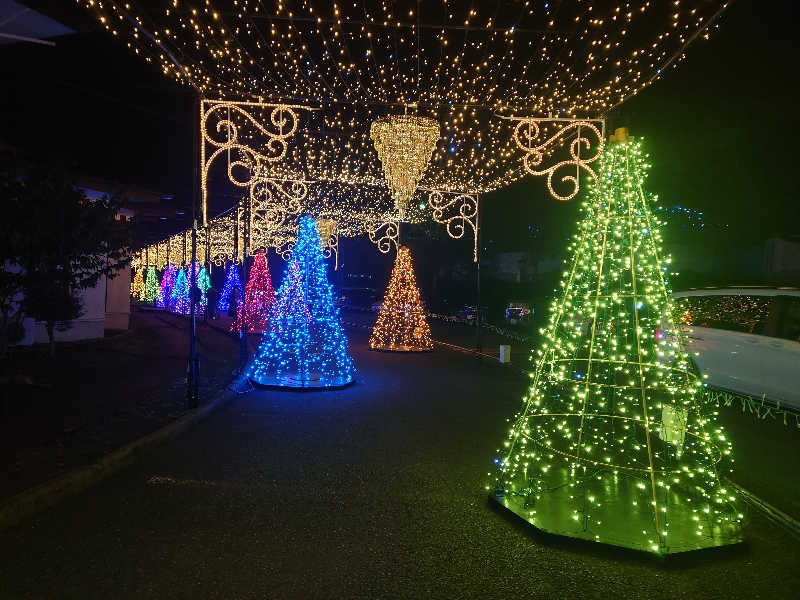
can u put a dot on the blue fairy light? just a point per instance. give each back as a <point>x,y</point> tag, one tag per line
<point>232,281</point>
<point>306,339</point>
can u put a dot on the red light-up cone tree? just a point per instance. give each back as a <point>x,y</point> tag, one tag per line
<point>401,324</point>
<point>258,298</point>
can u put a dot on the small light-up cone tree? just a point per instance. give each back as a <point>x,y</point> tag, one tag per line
<point>305,345</point>
<point>151,286</point>
<point>259,297</point>
<point>614,442</point>
<point>401,324</point>
<point>167,284</point>
<point>203,284</point>
<point>179,300</point>
<point>232,281</point>
<point>137,285</point>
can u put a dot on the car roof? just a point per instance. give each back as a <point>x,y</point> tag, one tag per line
<point>740,291</point>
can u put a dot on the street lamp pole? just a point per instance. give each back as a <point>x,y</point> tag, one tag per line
<point>478,341</point>
<point>192,383</point>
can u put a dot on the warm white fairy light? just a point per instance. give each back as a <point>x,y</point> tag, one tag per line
<point>404,144</point>
<point>460,61</point>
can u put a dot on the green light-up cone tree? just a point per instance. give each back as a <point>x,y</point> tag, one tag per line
<point>614,442</point>
<point>151,285</point>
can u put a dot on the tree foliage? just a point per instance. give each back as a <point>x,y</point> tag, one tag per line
<point>63,241</point>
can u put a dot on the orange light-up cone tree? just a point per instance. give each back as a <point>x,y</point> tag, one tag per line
<point>401,325</point>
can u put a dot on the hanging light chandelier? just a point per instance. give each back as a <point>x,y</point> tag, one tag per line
<point>404,144</point>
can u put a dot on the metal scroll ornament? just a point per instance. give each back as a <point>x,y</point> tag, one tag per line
<point>284,241</point>
<point>330,240</point>
<point>285,248</point>
<point>404,144</point>
<point>224,135</point>
<point>274,202</point>
<point>458,213</point>
<point>526,135</point>
<point>383,234</point>
<point>221,236</point>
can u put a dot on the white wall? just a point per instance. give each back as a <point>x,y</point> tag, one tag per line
<point>105,306</point>
<point>89,325</point>
<point>118,300</point>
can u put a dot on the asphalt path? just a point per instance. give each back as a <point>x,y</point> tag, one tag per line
<point>375,491</point>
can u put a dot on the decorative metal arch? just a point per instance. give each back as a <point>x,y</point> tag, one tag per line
<point>457,211</point>
<point>383,234</point>
<point>225,138</point>
<point>536,146</point>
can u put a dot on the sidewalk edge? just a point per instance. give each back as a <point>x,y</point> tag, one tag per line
<point>28,502</point>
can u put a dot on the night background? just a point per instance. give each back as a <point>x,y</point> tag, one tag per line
<point>386,436</point>
<point>717,128</point>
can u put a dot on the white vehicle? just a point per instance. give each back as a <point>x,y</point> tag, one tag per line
<point>747,340</point>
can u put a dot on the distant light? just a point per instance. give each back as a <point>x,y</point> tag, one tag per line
<point>166,198</point>
<point>163,218</point>
<point>422,205</point>
<point>179,212</point>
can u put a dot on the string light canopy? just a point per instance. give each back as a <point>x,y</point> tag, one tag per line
<point>462,63</point>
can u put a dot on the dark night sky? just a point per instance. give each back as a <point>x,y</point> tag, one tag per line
<point>720,129</point>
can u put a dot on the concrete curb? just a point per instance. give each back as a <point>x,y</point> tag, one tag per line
<point>492,359</point>
<point>29,502</point>
<point>774,514</point>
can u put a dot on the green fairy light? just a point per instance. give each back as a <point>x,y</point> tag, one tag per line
<point>614,442</point>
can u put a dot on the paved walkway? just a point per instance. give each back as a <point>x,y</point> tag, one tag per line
<point>375,491</point>
<point>98,395</point>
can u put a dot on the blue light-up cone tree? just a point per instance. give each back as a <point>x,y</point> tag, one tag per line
<point>179,300</point>
<point>614,442</point>
<point>232,282</point>
<point>305,345</point>
<point>167,284</point>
